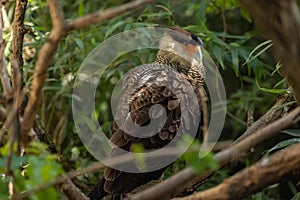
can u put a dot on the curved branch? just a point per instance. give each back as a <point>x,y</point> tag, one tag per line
<point>40,70</point>
<point>187,177</point>
<point>60,29</point>
<point>107,14</point>
<point>268,171</point>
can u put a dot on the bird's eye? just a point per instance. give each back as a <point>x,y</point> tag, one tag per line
<point>197,39</point>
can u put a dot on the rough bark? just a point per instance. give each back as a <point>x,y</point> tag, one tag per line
<point>268,171</point>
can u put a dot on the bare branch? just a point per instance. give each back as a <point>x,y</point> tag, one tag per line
<point>107,14</point>
<point>60,29</point>
<point>41,66</point>
<point>97,166</point>
<point>175,184</point>
<point>12,120</point>
<point>187,177</point>
<point>17,40</point>
<point>285,163</point>
<point>2,117</point>
<point>4,74</point>
<point>71,191</point>
<point>274,113</point>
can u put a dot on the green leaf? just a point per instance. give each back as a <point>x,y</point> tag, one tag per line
<point>296,197</point>
<point>277,68</point>
<point>284,105</point>
<point>280,83</point>
<point>90,123</point>
<point>274,91</point>
<point>218,41</point>
<point>200,163</point>
<point>235,61</point>
<point>283,144</point>
<point>292,132</point>
<point>79,43</point>
<point>4,181</point>
<point>114,27</point>
<point>42,169</point>
<point>139,150</point>
<point>81,8</point>
<point>47,194</point>
<point>217,51</point>
<point>253,53</point>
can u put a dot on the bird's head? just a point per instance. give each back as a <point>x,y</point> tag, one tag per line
<point>181,50</point>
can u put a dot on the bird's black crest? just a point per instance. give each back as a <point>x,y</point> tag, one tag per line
<point>184,37</point>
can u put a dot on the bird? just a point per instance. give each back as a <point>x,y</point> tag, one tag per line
<point>187,61</point>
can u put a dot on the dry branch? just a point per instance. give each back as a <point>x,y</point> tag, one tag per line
<point>268,171</point>
<point>187,177</point>
<point>105,15</point>
<point>60,29</point>
<point>12,120</point>
<point>41,66</point>
<point>274,113</point>
<point>280,20</point>
<point>96,167</point>
<point>71,191</point>
<point>178,180</point>
<point>17,39</point>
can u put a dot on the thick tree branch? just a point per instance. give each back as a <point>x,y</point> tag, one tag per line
<point>172,184</point>
<point>187,177</point>
<point>280,20</point>
<point>97,166</point>
<point>41,66</point>
<point>107,14</point>
<point>60,29</point>
<point>17,40</point>
<point>267,171</point>
<point>71,191</point>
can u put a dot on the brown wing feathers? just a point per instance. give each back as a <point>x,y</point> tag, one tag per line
<point>145,88</point>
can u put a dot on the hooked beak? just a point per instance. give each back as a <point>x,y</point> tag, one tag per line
<point>197,56</point>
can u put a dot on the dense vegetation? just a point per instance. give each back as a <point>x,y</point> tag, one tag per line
<point>242,54</point>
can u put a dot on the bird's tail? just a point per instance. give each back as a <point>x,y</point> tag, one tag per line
<point>98,192</point>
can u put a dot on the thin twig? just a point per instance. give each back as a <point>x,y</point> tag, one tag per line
<point>274,113</point>
<point>250,118</point>
<point>8,91</point>
<point>4,74</point>
<point>224,20</point>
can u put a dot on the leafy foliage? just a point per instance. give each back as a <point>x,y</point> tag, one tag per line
<point>251,76</point>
